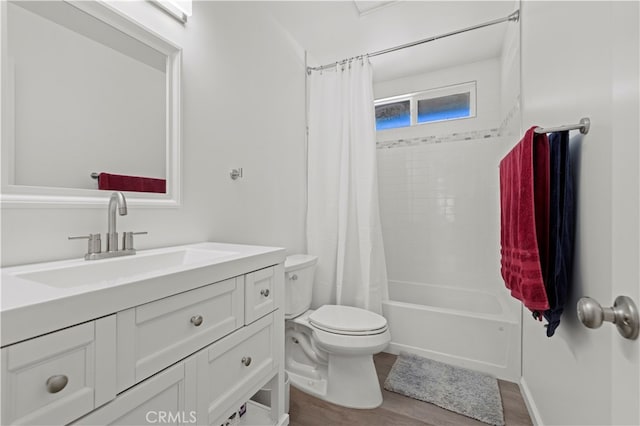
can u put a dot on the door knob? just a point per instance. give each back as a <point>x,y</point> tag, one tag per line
<point>623,313</point>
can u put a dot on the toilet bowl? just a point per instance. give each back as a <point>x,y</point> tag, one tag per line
<point>329,350</point>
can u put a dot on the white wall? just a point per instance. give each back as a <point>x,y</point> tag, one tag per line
<point>625,279</point>
<point>243,106</point>
<point>573,55</point>
<point>81,107</point>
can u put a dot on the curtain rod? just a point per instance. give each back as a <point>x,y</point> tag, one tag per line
<point>515,16</point>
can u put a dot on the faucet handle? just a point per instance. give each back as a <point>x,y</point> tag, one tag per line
<point>95,243</point>
<point>127,239</point>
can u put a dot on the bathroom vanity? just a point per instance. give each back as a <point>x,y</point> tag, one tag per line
<point>180,335</point>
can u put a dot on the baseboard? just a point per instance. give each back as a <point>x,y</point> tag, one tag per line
<point>284,420</point>
<point>530,403</point>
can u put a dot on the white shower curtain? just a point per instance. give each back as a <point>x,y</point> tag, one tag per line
<point>343,219</point>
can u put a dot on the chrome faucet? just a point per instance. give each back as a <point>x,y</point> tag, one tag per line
<point>117,200</point>
<point>94,251</point>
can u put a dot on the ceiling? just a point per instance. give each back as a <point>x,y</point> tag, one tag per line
<point>333,30</point>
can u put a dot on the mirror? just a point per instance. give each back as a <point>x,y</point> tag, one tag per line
<point>85,91</point>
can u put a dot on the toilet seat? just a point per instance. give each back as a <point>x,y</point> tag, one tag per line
<point>347,320</point>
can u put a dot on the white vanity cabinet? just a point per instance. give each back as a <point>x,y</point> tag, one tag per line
<point>205,388</point>
<point>188,348</point>
<point>231,369</point>
<point>260,294</point>
<point>196,357</point>
<point>162,399</point>
<point>58,377</point>
<point>157,334</point>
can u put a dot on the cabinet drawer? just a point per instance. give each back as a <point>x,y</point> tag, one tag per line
<point>162,399</point>
<point>241,361</point>
<point>259,294</point>
<point>58,377</point>
<point>155,335</point>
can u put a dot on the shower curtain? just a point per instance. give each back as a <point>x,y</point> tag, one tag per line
<point>343,219</point>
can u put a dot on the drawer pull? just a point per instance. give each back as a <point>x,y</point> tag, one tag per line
<point>196,320</point>
<point>56,383</point>
<point>294,277</point>
<point>265,292</point>
<point>246,361</point>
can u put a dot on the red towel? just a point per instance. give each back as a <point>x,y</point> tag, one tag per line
<point>131,183</point>
<point>524,219</point>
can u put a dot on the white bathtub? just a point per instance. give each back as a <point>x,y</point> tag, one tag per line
<point>468,328</point>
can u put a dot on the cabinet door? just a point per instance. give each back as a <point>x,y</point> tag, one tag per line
<point>167,398</point>
<point>231,370</point>
<point>155,335</point>
<point>58,377</point>
<point>260,294</point>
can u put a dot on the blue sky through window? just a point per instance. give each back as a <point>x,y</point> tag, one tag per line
<point>428,106</point>
<point>393,115</point>
<point>444,108</point>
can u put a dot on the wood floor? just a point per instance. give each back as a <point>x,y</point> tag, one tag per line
<point>397,410</point>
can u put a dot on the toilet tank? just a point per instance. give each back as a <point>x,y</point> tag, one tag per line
<point>298,283</point>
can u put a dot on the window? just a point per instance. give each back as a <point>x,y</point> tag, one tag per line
<point>429,106</point>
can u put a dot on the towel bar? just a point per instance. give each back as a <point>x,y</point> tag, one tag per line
<point>584,125</point>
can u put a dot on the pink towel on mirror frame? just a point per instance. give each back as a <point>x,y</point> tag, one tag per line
<point>524,219</point>
<point>114,182</point>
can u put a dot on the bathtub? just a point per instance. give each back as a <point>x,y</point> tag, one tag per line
<point>467,328</point>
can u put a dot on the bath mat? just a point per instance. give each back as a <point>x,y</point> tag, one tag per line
<point>456,389</point>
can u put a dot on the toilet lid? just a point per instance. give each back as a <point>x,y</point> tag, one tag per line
<point>347,320</point>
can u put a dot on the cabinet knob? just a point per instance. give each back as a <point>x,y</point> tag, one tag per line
<point>293,277</point>
<point>246,361</point>
<point>56,383</point>
<point>265,292</point>
<point>196,320</point>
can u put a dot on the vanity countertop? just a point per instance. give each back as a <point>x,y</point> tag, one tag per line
<point>44,297</point>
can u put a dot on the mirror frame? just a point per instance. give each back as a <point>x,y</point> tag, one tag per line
<point>22,196</point>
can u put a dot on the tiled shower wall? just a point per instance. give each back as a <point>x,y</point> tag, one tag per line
<point>440,212</point>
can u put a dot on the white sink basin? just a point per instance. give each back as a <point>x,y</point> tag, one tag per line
<point>122,269</point>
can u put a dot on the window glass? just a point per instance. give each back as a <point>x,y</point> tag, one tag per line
<point>444,107</point>
<point>428,106</point>
<point>393,115</point>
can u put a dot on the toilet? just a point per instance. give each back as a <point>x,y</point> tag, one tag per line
<point>329,351</point>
